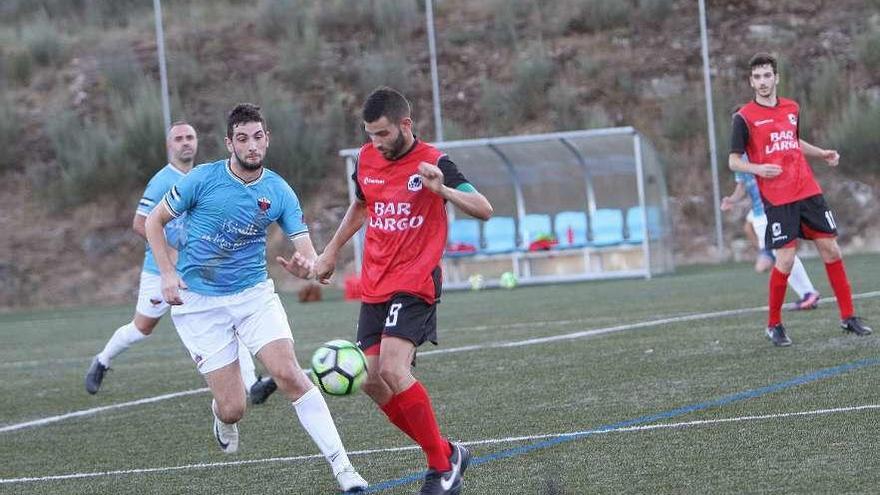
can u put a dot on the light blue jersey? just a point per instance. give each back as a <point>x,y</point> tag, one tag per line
<point>225,249</point>
<point>160,184</point>
<point>748,181</point>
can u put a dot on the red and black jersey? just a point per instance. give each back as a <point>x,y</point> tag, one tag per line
<point>406,222</point>
<point>771,135</point>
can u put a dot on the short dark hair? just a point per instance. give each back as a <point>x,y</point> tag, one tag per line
<point>386,102</point>
<point>179,122</point>
<point>760,59</point>
<point>244,113</point>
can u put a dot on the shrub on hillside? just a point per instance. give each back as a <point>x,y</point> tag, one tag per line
<point>9,133</point>
<point>278,18</point>
<point>115,156</point>
<point>533,76</point>
<point>43,42</point>
<point>654,11</point>
<point>868,52</point>
<point>390,20</point>
<point>594,15</point>
<point>303,144</point>
<point>82,151</point>
<point>300,62</point>
<point>496,108</point>
<point>20,67</point>
<point>855,136</point>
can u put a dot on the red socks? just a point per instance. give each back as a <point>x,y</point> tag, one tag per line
<point>412,412</point>
<point>778,285</point>
<point>392,410</point>
<point>840,284</point>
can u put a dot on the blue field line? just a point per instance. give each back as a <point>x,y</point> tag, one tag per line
<point>721,401</point>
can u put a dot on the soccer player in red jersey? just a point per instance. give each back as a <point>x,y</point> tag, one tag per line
<point>766,129</point>
<point>402,186</point>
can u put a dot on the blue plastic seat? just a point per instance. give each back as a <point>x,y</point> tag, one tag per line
<point>534,225</point>
<point>500,235</point>
<point>635,225</point>
<point>571,229</point>
<point>464,232</point>
<point>655,223</point>
<point>607,227</point>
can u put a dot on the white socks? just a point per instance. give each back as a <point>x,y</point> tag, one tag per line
<point>799,280</point>
<point>315,418</point>
<point>247,367</point>
<point>123,337</point>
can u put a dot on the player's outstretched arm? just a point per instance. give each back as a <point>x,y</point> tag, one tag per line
<point>155,232</point>
<point>302,263</point>
<point>738,194</point>
<point>473,203</point>
<point>831,157</point>
<point>351,223</point>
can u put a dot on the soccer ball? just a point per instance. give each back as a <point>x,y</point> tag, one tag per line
<point>477,282</point>
<point>508,280</point>
<point>339,367</point>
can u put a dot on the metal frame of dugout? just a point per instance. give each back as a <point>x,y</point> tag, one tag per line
<point>600,193</point>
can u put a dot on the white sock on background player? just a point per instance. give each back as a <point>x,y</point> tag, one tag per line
<point>799,280</point>
<point>122,338</point>
<point>247,367</point>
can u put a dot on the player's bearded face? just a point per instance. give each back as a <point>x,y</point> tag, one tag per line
<point>249,161</point>
<point>249,144</point>
<point>389,138</point>
<point>183,143</point>
<point>395,149</point>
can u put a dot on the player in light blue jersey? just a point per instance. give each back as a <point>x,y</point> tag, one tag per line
<point>182,143</point>
<point>798,280</point>
<point>223,294</point>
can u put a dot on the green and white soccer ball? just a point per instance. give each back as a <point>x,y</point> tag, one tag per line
<point>477,281</point>
<point>508,280</point>
<point>339,367</point>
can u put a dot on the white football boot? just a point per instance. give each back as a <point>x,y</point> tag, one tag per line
<point>350,481</point>
<point>226,434</point>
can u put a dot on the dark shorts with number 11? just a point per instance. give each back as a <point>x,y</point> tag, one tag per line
<point>808,218</point>
<point>404,316</point>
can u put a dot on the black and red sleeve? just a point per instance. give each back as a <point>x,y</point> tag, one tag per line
<point>739,135</point>
<point>452,176</point>
<point>358,192</point>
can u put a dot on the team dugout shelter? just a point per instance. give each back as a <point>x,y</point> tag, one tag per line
<point>569,206</point>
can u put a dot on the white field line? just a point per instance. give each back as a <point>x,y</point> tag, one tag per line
<point>618,328</point>
<point>524,324</point>
<point>490,441</point>
<point>491,345</point>
<point>95,410</point>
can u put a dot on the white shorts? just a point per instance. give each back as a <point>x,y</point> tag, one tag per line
<point>212,326</point>
<point>150,301</point>
<point>759,225</point>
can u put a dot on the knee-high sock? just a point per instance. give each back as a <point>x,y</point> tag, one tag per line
<point>840,284</point>
<point>395,415</point>
<point>415,405</point>
<point>778,281</point>
<point>799,280</point>
<point>122,338</point>
<point>247,367</point>
<point>315,418</point>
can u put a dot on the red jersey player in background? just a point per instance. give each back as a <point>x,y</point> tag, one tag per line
<point>766,129</point>
<point>402,187</point>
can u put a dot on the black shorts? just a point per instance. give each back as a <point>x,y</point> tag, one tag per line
<point>808,218</point>
<point>404,315</point>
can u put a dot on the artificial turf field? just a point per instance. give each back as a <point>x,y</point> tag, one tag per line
<point>677,391</point>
